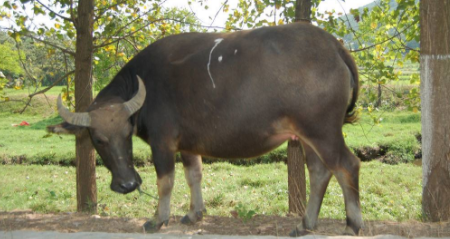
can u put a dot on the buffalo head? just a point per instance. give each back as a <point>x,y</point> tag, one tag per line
<point>111,131</point>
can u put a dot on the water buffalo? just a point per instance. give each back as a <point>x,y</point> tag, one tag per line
<point>229,95</point>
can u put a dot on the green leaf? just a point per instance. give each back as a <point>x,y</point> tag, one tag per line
<point>71,34</point>
<point>7,5</point>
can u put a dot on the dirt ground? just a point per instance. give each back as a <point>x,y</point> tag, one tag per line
<point>258,225</point>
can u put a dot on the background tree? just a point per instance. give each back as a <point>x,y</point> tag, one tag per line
<point>435,92</point>
<point>9,64</point>
<point>296,155</point>
<point>9,59</point>
<point>85,155</point>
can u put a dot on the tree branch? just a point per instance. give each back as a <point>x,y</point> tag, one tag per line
<point>132,44</point>
<point>53,45</point>
<point>101,11</point>
<point>351,28</point>
<point>401,41</point>
<point>376,44</point>
<point>52,85</point>
<point>72,14</point>
<point>26,106</point>
<point>57,14</point>
<point>24,66</point>
<point>389,39</point>
<point>108,42</point>
<point>223,5</point>
<point>132,21</point>
<point>30,97</point>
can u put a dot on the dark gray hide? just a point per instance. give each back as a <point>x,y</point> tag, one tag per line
<point>232,95</point>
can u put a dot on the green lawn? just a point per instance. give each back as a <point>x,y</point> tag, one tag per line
<point>388,192</point>
<point>27,91</point>
<point>397,132</point>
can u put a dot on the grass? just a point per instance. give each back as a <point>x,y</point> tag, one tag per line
<point>387,192</point>
<point>396,133</point>
<point>27,91</point>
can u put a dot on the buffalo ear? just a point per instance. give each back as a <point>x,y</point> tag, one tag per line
<point>65,128</point>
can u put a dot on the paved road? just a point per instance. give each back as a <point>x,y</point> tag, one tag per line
<point>103,235</point>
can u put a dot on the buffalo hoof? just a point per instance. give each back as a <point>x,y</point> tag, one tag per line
<point>152,226</point>
<point>299,233</point>
<point>198,217</point>
<point>186,220</point>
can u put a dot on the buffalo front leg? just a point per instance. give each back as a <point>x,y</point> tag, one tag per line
<point>319,178</point>
<point>165,171</point>
<point>193,173</point>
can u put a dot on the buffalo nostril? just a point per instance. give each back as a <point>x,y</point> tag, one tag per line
<point>129,186</point>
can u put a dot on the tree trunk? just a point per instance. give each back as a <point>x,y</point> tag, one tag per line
<point>303,10</point>
<point>378,103</point>
<point>296,158</point>
<point>85,155</point>
<point>296,178</point>
<point>435,95</point>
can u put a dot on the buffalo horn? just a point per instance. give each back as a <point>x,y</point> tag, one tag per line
<point>79,119</point>
<point>135,103</point>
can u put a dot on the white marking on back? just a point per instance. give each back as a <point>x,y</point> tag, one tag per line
<point>235,51</point>
<point>217,41</point>
<point>220,58</point>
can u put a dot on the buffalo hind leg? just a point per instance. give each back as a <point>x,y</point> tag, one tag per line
<point>319,177</point>
<point>347,174</point>
<point>193,173</point>
<point>344,166</point>
<point>165,171</point>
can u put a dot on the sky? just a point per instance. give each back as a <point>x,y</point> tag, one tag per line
<point>206,16</point>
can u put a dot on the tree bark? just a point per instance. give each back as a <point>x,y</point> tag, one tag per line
<point>378,103</point>
<point>85,155</point>
<point>296,158</point>
<point>296,178</point>
<point>435,95</point>
<point>303,10</point>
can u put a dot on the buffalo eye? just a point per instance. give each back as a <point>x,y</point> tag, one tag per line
<point>100,141</point>
<point>127,133</point>
<point>130,135</point>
